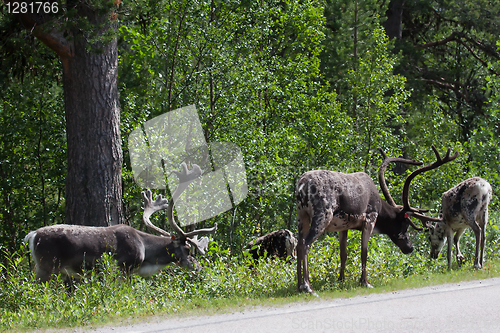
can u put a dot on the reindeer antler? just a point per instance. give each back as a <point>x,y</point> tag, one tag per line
<point>150,207</point>
<point>406,202</point>
<point>185,178</point>
<point>381,173</point>
<point>385,190</point>
<point>439,161</point>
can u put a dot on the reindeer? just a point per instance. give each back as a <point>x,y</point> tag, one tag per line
<point>334,201</point>
<point>463,206</point>
<point>67,249</point>
<point>280,243</point>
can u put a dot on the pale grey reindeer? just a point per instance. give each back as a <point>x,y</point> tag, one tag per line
<point>334,201</point>
<point>464,206</point>
<point>70,249</point>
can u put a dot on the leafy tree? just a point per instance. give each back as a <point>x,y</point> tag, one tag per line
<point>358,62</point>
<point>253,72</point>
<point>447,46</point>
<point>297,85</point>
<point>377,98</point>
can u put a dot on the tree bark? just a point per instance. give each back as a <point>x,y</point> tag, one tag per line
<point>93,183</point>
<point>90,71</point>
<point>394,23</point>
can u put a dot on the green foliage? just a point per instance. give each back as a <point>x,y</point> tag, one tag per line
<point>104,294</point>
<point>298,86</point>
<point>32,154</point>
<point>376,99</point>
<point>253,72</point>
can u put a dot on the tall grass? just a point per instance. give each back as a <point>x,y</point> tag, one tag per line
<point>104,294</point>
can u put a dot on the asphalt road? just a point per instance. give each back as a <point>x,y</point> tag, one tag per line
<point>460,307</point>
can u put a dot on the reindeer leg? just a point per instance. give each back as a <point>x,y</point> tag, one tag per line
<point>307,283</point>
<point>481,254</point>
<point>303,283</point>
<point>41,274</point>
<point>483,223</point>
<point>456,240</point>
<point>365,238</point>
<point>449,238</point>
<point>300,261</point>
<point>300,250</point>
<point>343,253</point>
<point>311,232</point>
<point>478,233</point>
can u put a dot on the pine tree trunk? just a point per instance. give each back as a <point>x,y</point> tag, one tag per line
<point>90,72</point>
<point>93,183</point>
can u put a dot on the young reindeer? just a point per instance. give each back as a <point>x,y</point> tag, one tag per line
<point>280,243</point>
<point>334,201</point>
<point>67,249</point>
<point>463,206</point>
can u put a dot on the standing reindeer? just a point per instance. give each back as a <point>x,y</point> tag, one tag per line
<point>67,249</point>
<point>463,206</point>
<point>334,201</point>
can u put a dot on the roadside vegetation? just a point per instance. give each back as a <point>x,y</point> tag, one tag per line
<point>227,282</point>
<point>298,86</point>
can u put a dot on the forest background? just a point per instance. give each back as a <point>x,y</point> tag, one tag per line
<point>298,85</point>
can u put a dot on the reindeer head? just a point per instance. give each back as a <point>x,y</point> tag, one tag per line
<point>182,252</point>
<point>181,242</point>
<point>437,238</point>
<point>398,232</point>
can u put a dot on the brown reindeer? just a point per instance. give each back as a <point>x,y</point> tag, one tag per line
<point>464,206</point>
<point>334,201</point>
<point>68,249</point>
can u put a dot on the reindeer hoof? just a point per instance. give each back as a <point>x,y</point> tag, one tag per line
<point>477,266</point>
<point>365,284</point>
<point>460,260</point>
<point>307,288</point>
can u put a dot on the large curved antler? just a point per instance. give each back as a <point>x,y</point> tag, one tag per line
<point>439,161</point>
<point>185,178</point>
<point>150,207</point>
<point>406,202</point>
<point>381,173</point>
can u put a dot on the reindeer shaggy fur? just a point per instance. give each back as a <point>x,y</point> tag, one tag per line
<point>464,206</point>
<point>69,249</point>
<point>280,243</point>
<point>335,201</point>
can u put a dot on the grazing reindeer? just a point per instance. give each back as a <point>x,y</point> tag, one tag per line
<point>280,243</point>
<point>334,201</point>
<point>463,206</point>
<point>67,249</point>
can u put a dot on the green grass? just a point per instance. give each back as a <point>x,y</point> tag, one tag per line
<point>226,283</point>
